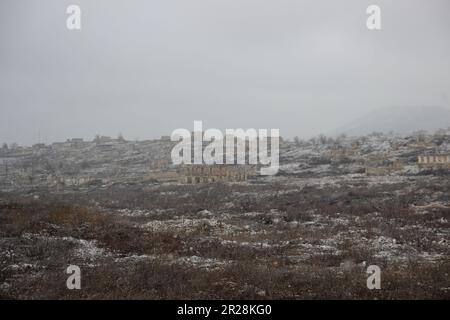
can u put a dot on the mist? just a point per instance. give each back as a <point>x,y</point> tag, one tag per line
<point>146,68</point>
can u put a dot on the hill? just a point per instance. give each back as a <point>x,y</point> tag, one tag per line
<point>401,120</point>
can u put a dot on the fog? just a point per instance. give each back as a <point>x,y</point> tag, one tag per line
<point>145,68</point>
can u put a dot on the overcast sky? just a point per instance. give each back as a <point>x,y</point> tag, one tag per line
<point>145,68</point>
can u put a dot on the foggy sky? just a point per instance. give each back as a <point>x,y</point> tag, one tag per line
<point>145,68</point>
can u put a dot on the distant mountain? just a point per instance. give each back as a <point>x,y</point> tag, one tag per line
<point>401,120</point>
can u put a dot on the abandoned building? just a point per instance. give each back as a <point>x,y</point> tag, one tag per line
<point>438,160</point>
<point>194,174</point>
<point>382,167</point>
<point>167,176</point>
<point>340,152</point>
<point>159,164</point>
<point>68,180</point>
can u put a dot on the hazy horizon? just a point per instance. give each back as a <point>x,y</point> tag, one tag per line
<point>143,68</point>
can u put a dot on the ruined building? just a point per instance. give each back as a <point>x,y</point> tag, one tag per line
<point>194,174</point>
<point>382,167</point>
<point>438,161</point>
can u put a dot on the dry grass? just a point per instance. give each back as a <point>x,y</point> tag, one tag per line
<point>253,272</point>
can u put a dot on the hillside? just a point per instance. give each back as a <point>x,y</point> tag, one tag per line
<point>398,119</point>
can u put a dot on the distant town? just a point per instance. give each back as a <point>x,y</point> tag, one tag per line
<point>77,163</point>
